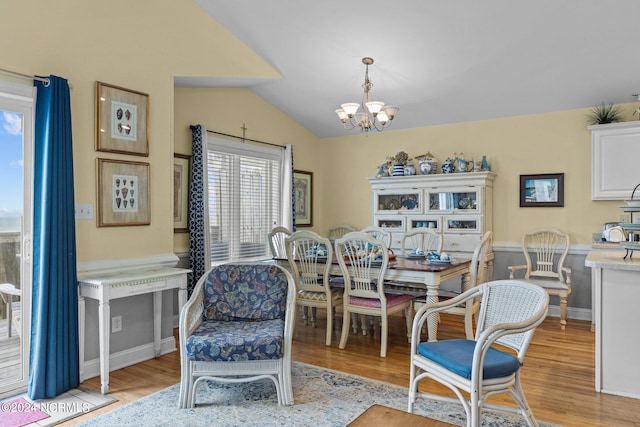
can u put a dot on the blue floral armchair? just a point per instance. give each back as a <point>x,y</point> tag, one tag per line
<point>237,326</point>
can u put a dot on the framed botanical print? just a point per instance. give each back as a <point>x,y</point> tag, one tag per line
<point>303,196</point>
<point>123,193</point>
<point>122,120</point>
<point>181,184</point>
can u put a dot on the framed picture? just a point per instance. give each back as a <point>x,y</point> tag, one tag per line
<point>303,196</point>
<point>123,193</point>
<point>545,190</point>
<point>181,184</point>
<point>122,120</point>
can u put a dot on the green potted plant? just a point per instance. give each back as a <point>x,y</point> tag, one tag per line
<point>604,113</point>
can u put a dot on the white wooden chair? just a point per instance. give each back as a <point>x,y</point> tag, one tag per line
<point>237,327</point>
<point>10,297</point>
<point>276,241</point>
<point>339,230</point>
<point>510,310</point>
<point>378,233</point>
<point>545,251</point>
<point>478,273</point>
<point>363,261</point>
<point>421,238</point>
<point>308,254</point>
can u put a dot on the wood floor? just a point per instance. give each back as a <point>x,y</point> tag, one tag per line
<point>558,376</point>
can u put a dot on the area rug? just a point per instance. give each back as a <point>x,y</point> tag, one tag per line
<point>322,398</point>
<point>23,411</point>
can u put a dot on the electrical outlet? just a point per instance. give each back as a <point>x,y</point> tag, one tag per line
<point>116,324</point>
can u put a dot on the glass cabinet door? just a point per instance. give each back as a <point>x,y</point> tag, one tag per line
<point>409,202</point>
<point>462,224</point>
<point>425,222</point>
<point>393,224</point>
<point>452,200</point>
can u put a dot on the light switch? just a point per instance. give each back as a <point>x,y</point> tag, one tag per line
<point>84,211</point>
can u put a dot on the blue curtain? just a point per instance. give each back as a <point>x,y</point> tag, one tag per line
<point>197,241</point>
<point>53,367</point>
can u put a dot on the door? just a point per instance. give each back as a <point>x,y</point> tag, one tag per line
<point>16,142</point>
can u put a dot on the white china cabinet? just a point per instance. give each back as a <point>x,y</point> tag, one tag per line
<point>458,205</point>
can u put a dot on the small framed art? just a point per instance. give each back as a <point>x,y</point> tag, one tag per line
<point>544,190</point>
<point>181,184</point>
<point>303,196</point>
<point>122,119</point>
<point>123,193</point>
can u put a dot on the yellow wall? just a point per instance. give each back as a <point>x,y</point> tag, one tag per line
<point>142,49</point>
<point>139,45</point>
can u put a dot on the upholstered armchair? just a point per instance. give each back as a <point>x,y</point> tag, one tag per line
<point>237,327</point>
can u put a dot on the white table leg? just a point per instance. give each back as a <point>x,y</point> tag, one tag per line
<point>432,319</point>
<point>157,321</point>
<point>104,314</point>
<point>81,320</point>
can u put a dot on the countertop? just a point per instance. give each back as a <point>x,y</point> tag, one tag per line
<point>612,260</point>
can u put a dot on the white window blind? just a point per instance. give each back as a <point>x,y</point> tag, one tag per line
<point>244,199</point>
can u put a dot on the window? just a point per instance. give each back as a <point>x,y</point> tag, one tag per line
<point>244,199</point>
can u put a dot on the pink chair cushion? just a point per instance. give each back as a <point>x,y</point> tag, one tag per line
<point>392,300</point>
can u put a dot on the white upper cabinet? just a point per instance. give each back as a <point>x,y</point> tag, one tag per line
<point>615,160</point>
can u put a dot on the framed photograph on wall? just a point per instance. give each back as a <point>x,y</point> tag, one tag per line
<point>544,190</point>
<point>123,193</point>
<point>122,120</point>
<point>303,196</point>
<point>181,185</point>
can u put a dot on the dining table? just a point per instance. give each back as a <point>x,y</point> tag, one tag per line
<point>416,276</point>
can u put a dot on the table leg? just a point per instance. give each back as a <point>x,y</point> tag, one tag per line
<point>104,314</point>
<point>157,321</point>
<point>432,319</point>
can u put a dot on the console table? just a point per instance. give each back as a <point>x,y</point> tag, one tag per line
<point>105,287</point>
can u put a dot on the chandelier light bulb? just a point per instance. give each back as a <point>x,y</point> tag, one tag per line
<point>374,115</point>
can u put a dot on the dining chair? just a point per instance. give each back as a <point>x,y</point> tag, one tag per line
<point>378,233</point>
<point>364,261</point>
<point>339,230</point>
<point>421,238</point>
<point>276,241</point>
<point>10,296</point>
<point>545,251</point>
<point>510,311</point>
<point>478,273</point>
<point>310,259</point>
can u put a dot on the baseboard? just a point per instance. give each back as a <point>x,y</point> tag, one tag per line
<point>127,357</point>
<point>572,312</point>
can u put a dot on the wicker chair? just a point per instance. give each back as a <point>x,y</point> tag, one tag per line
<point>364,291</point>
<point>545,251</point>
<point>310,271</point>
<point>510,310</point>
<point>237,327</point>
<point>276,241</point>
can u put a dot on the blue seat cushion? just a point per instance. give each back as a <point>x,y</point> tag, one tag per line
<point>220,341</point>
<point>457,357</point>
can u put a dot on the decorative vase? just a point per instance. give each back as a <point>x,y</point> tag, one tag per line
<point>428,165</point>
<point>409,169</point>
<point>398,169</point>
<point>485,164</point>
<point>448,166</point>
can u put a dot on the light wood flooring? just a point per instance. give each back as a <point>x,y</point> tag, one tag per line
<point>558,375</point>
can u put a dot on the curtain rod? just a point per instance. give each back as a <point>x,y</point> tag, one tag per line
<point>246,139</point>
<point>40,79</point>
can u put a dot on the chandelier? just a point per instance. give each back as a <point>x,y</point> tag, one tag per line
<point>374,114</point>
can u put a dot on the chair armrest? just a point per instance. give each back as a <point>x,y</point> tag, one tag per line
<point>191,315</point>
<point>513,268</point>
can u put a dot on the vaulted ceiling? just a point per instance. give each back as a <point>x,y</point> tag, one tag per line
<point>441,62</point>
